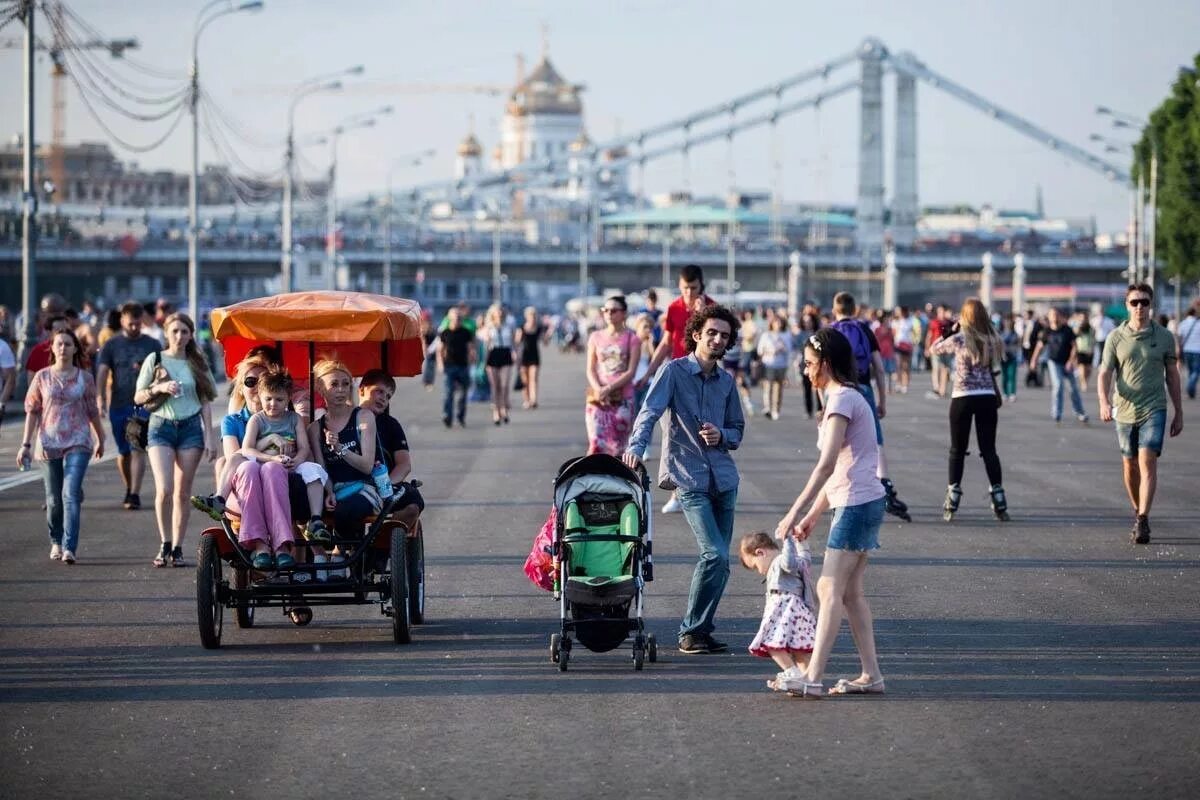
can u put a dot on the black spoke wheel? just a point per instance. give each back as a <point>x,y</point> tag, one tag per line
<point>639,653</point>
<point>416,577</point>
<point>244,613</point>
<point>555,645</point>
<point>209,609</point>
<point>651,648</point>
<point>401,631</point>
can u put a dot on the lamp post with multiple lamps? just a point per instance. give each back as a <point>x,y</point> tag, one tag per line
<point>413,160</point>
<point>366,119</point>
<point>207,15</point>
<point>323,83</point>
<point>1145,264</point>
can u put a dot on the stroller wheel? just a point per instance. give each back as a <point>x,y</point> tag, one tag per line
<point>639,654</point>
<point>651,648</point>
<point>555,644</point>
<point>564,654</point>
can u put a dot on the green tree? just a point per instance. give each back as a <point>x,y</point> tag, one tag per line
<point>1174,132</point>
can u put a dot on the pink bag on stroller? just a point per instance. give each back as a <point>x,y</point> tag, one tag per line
<point>539,567</point>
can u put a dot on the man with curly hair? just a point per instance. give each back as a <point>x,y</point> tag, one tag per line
<point>703,425</point>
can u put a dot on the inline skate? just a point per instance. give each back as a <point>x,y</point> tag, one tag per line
<point>893,504</point>
<point>999,502</point>
<point>950,506</point>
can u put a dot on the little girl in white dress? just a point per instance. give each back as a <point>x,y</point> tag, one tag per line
<point>789,620</point>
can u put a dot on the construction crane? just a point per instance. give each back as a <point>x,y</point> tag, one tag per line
<point>493,90</point>
<point>57,162</point>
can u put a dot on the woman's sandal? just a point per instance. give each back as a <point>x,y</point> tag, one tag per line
<point>164,553</point>
<point>844,686</point>
<point>808,691</point>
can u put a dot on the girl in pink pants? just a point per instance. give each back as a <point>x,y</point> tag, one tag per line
<point>260,496</point>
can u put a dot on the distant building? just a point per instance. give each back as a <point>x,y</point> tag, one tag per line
<point>96,177</point>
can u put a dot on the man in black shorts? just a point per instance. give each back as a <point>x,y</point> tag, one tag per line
<point>375,394</point>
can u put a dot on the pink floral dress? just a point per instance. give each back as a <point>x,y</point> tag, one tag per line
<point>609,425</point>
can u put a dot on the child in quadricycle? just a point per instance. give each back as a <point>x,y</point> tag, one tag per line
<point>789,620</point>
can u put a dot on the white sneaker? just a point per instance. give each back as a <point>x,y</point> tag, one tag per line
<point>774,415</point>
<point>68,557</point>
<point>672,506</point>
<point>55,552</point>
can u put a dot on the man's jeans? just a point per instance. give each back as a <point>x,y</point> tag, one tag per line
<point>456,377</point>
<point>1193,368</point>
<point>711,518</point>
<point>1059,374</point>
<point>63,479</point>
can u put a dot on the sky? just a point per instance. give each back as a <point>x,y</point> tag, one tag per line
<point>648,61</point>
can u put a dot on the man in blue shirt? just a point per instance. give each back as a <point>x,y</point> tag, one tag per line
<point>704,424</point>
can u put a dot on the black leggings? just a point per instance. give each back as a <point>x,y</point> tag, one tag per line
<point>983,408</point>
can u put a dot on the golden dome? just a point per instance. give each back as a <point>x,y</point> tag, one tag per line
<point>545,92</point>
<point>470,147</point>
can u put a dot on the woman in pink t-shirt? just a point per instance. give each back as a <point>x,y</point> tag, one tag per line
<point>844,480</point>
<point>60,408</point>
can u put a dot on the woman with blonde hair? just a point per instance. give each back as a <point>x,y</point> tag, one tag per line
<point>497,338</point>
<point>978,351</point>
<point>180,386</point>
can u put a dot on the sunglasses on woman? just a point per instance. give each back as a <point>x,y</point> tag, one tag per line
<point>250,381</point>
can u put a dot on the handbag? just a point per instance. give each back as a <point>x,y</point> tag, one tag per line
<point>160,373</point>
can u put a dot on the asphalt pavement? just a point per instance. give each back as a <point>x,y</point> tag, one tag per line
<point>1043,657</point>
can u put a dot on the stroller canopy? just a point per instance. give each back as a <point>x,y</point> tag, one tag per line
<point>596,474</point>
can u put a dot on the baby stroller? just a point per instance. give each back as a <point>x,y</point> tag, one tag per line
<point>602,558</point>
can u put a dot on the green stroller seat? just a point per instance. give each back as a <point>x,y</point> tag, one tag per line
<point>599,568</point>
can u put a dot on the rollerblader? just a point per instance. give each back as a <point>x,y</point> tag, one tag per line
<point>869,364</point>
<point>978,352</point>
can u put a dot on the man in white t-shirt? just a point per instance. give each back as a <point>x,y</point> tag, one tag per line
<point>1188,336</point>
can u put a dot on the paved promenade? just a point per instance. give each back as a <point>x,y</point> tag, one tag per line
<point>1045,657</point>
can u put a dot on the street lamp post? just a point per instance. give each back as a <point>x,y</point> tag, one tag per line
<point>404,161</point>
<point>202,22</point>
<point>353,122</point>
<point>312,86</point>
<point>28,198</point>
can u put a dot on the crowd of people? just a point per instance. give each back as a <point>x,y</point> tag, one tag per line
<point>694,365</point>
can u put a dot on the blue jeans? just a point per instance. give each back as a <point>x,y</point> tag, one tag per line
<point>63,479</point>
<point>456,377</point>
<point>711,518</point>
<point>1058,375</point>
<point>1193,367</point>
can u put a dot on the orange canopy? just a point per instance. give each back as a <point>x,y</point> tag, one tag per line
<point>365,331</point>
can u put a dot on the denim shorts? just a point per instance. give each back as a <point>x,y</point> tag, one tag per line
<point>856,527</point>
<point>184,434</point>
<point>1144,435</point>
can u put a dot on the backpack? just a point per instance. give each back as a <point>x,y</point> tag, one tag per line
<point>860,345</point>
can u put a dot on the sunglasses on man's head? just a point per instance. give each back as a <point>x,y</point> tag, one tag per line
<point>1138,301</point>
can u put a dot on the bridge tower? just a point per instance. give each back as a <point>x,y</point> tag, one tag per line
<point>904,197</point>
<point>870,154</point>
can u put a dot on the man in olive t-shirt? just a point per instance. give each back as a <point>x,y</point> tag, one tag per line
<point>1140,355</point>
